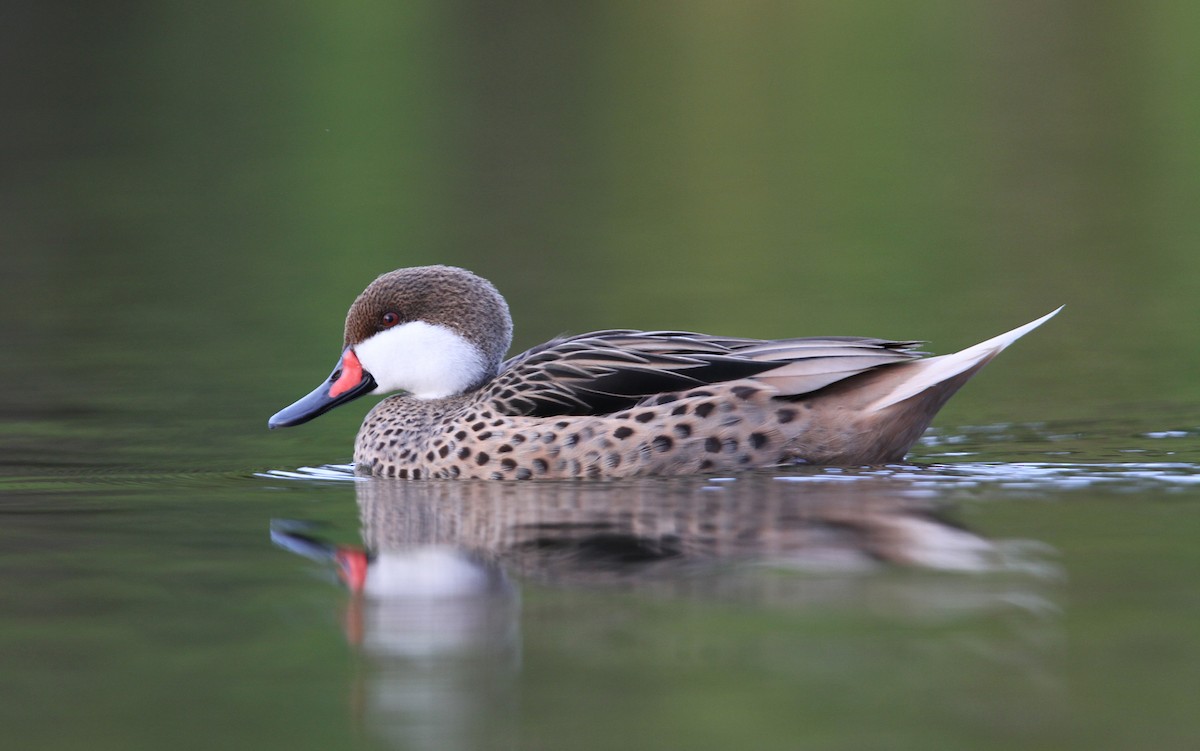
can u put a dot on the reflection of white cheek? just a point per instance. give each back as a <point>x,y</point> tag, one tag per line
<point>424,359</point>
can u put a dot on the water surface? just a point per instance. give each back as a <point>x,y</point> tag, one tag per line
<point>956,601</point>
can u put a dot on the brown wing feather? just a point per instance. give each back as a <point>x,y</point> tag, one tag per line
<point>606,371</point>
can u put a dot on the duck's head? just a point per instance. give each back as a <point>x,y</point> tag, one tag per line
<point>429,331</point>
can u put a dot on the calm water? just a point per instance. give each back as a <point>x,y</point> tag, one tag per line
<point>191,200</point>
<point>957,602</point>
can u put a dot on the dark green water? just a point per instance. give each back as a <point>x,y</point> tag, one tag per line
<point>192,197</point>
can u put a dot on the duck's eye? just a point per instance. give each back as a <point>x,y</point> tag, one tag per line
<point>390,319</point>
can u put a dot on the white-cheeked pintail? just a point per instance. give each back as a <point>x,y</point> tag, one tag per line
<point>615,403</point>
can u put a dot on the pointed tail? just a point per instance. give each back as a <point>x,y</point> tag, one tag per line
<point>924,374</point>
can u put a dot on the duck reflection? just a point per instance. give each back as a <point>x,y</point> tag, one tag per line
<point>438,630</point>
<point>435,609</point>
<point>630,531</point>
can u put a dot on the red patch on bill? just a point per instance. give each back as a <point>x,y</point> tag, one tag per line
<point>352,374</point>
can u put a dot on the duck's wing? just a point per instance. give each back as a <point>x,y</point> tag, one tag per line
<point>606,371</point>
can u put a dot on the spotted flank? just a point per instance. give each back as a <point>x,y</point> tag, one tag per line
<point>615,403</point>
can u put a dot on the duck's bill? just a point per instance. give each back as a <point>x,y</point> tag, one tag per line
<point>348,381</point>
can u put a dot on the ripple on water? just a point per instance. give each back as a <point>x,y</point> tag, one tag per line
<point>325,472</point>
<point>922,480</point>
<point>1048,459</point>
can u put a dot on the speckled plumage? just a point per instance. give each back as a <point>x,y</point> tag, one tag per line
<point>622,403</point>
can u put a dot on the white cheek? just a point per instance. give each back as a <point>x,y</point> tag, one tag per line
<point>424,359</point>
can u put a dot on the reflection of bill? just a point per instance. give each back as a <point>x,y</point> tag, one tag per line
<point>438,631</point>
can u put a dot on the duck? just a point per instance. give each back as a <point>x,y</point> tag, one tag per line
<point>615,403</point>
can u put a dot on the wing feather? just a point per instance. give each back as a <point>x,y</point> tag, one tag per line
<point>607,371</point>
